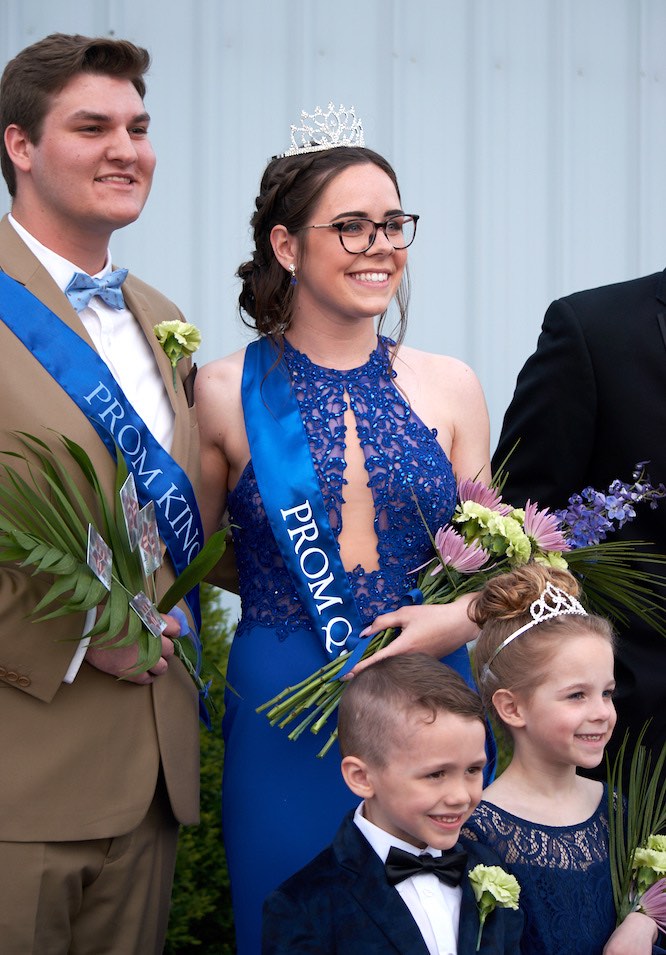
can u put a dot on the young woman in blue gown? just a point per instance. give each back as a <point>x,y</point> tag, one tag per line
<point>549,680</point>
<point>388,430</point>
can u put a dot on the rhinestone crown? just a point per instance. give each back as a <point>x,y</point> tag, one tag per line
<point>325,130</point>
<point>552,602</point>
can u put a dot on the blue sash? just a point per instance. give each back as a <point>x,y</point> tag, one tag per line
<point>293,501</point>
<point>82,374</point>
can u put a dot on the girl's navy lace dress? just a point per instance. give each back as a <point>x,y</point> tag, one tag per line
<point>282,805</point>
<point>564,875</point>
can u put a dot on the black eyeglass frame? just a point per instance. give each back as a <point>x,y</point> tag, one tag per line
<point>376,225</point>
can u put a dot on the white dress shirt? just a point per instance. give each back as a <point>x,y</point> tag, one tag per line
<point>122,345</point>
<point>434,906</point>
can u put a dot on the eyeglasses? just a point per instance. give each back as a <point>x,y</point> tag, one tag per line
<point>358,235</point>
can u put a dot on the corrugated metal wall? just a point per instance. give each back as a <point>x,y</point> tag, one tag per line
<point>529,134</point>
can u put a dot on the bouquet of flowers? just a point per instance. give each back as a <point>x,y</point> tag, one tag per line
<point>486,537</point>
<point>637,855</point>
<point>105,559</point>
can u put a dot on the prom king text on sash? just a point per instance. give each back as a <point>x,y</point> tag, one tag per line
<point>175,508</point>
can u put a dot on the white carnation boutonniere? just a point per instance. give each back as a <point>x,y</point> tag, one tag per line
<point>179,340</point>
<point>492,886</point>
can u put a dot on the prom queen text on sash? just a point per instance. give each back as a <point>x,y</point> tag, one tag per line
<point>314,565</point>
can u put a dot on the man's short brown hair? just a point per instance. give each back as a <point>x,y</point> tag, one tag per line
<point>41,70</point>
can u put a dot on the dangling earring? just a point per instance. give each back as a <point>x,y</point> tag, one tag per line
<point>293,280</point>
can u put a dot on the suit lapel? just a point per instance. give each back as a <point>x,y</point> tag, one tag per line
<point>380,901</point>
<point>661,298</point>
<point>140,308</point>
<point>139,305</point>
<point>469,920</point>
<point>19,262</point>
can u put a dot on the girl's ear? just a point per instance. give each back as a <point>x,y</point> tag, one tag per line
<point>285,246</point>
<point>357,776</point>
<point>510,708</point>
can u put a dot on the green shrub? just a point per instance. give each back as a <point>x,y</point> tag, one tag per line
<point>201,919</point>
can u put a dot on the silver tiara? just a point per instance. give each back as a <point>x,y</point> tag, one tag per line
<point>552,602</point>
<point>325,130</point>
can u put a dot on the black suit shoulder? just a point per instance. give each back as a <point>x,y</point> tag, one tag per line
<point>585,406</point>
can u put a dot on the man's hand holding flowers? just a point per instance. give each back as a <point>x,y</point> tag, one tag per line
<point>121,661</point>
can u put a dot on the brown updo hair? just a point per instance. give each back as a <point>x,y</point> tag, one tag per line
<point>501,608</point>
<point>291,187</point>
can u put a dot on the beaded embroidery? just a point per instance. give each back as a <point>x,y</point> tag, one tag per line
<point>401,455</point>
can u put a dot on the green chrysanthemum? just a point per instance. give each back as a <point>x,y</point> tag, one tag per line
<point>179,340</point>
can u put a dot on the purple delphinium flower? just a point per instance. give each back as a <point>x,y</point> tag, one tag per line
<point>591,515</point>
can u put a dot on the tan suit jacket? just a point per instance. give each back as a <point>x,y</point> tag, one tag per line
<point>80,760</point>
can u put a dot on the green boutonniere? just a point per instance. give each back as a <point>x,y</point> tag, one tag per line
<point>493,886</point>
<point>178,339</point>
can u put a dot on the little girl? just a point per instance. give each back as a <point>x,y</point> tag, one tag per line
<point>544,667</point>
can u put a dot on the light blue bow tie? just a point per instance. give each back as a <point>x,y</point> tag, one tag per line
<point>83,287</point>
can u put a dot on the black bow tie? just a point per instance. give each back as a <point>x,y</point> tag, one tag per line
<point>449,867</point>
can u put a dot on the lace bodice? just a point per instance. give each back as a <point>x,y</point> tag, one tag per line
<point>402,458</point>
<point>564,876</point>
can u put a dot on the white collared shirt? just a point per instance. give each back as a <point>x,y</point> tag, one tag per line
<point>434,906</point>
<point>122,345</point>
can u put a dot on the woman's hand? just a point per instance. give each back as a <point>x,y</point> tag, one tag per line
<point>634,936</point>
<point>435,629</point>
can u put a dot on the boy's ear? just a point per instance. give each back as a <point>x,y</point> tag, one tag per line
<point>509,708</point>
<point>357,776</point>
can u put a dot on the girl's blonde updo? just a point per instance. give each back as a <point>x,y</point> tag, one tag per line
<point>501,608</point>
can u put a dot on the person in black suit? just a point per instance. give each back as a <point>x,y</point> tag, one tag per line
<point>412,736</point>
<point>589,404</point>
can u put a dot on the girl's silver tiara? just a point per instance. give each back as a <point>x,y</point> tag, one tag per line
<point>325,130</point>
<point>552,602</point>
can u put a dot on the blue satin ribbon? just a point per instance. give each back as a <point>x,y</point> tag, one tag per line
<point>82,374</point>
<point>358,645</point>
<point>82,287</point>
<point>293,501</point>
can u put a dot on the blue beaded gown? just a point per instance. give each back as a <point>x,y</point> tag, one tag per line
<point>564,874</point>
<point>282,805</point>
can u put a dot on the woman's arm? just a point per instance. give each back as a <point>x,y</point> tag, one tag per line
<point>450,396</point>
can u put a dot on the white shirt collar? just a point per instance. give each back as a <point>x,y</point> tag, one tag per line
<point>60,269</point>
<point>382,841</point>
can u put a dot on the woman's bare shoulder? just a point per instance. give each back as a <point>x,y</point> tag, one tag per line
<point>440,370</point>
<point>219,379</point>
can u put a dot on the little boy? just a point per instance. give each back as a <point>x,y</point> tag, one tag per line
<point>412,738</point>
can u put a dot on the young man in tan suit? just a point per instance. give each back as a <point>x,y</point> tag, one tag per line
<point>97,771</point>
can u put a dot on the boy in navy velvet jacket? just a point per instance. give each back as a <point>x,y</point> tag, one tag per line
<point>412,737</point>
